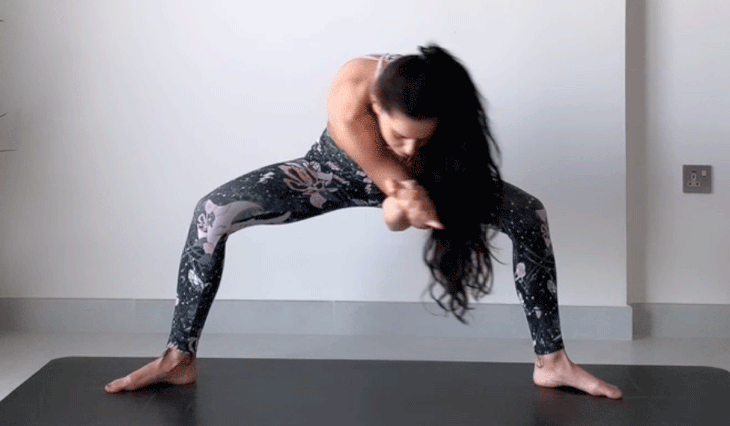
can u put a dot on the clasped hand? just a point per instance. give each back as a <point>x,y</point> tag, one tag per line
<point>409,205</point>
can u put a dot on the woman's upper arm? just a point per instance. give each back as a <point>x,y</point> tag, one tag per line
<point>355,129</point>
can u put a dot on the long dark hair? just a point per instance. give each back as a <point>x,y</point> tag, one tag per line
<point>457,169</point>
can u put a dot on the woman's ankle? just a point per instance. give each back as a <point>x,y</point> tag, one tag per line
<point>552,359</point>
<point>177,355</point>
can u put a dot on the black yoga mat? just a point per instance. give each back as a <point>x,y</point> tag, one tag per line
<point>303,392</point>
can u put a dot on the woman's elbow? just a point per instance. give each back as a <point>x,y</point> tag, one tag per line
<point>398,226</point>
<point>394,217</point>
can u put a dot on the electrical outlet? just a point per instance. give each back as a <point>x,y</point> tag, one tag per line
<point>697,179</point>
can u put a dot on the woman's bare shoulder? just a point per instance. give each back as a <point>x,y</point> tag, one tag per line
<point>360,68</point>
<point>349,95</point>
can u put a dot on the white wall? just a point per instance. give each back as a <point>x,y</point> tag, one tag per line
<point>686,237</point>
<point>128,112</point>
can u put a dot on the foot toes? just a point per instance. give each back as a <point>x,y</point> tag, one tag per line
<point>111,387</point>
<point>117,385</point>
<point>609,391</point>
<point>616,393</point>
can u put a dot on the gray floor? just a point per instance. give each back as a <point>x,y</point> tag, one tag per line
<point>22,354</point>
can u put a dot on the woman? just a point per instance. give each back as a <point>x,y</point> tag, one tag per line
<point>408,134</point>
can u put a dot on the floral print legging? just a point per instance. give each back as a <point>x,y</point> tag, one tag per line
<point>326,179</point>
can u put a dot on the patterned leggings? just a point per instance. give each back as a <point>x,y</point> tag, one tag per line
<point>326,179</point>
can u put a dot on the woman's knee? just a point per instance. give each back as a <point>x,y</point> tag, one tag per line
<point>216,220</point>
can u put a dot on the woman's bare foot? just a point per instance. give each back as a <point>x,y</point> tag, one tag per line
<point>556,369</point>
<point>172,367</point>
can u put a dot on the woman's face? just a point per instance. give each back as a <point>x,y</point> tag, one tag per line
<point>403,135</point>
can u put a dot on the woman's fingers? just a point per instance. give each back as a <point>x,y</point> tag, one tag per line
<point>409,184</point>
<point>423,218</point>
<point>435,224</point>
<point>413,198</point>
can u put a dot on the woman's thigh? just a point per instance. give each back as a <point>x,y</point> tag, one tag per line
<point>320,182</point>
